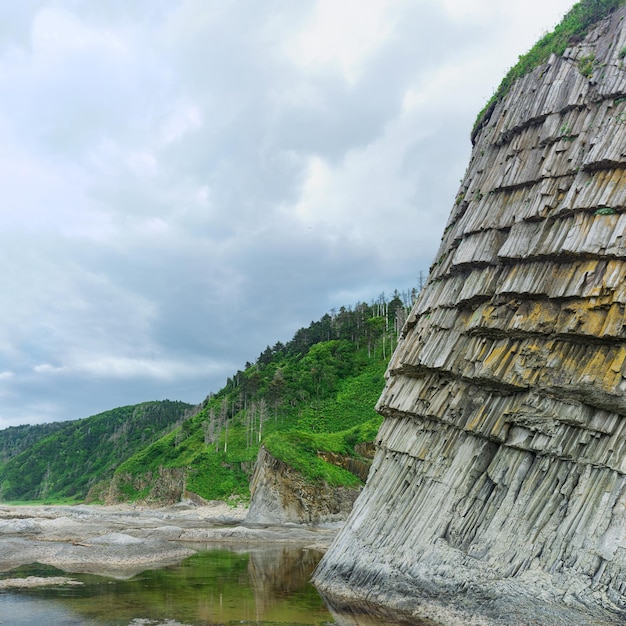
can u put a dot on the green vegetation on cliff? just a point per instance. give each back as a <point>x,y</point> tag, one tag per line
<point>308,401</point>
<point>313,395</point>
<point>64,460</point>
<point>571,30</point>
<point>16,439</point>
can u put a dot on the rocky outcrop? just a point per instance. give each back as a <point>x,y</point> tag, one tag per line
<point>281,495</point>
<point>165,486</point>
<point>124,540</point>
<point>499,485</point>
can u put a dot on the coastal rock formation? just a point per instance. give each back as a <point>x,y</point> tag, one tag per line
<point>499,482</point>
<point>281,495</point>
<point>123,540</point>
<point>166,486</point>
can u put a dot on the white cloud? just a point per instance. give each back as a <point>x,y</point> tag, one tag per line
<point>185,118</point>
<point>142,163</point>
<point>57,33</point>
<point>473,9</point>
<point>47,368</point>
<point>32,413</point>
<point>154,369</point>
<point>343,35</point>
<point>185,182</point>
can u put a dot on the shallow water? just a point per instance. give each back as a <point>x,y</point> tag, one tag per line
<point>266,586</point>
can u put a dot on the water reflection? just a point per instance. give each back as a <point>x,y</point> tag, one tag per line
<point>218,586</point>
<point>359,613</point>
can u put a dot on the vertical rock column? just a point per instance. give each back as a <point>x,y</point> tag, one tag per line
<point>501,463</point>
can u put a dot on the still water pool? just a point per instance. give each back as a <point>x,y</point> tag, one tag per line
<point>268,587</point>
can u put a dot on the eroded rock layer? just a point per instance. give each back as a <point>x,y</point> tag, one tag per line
<point>501,464</point>
<point>281,495</point>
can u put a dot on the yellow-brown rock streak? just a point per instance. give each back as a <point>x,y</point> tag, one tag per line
<point>499,484</point>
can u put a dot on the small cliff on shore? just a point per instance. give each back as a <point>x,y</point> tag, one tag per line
<point>499,482</point>
<point>281,494</point>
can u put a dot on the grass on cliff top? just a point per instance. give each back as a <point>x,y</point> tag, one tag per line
<point>299,450</point>
<point>571,30</point>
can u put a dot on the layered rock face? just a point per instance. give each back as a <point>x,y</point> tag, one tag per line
<point>499,482</point>
<point>281,495</point>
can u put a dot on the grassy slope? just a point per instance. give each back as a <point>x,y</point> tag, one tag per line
<point>293,433</point>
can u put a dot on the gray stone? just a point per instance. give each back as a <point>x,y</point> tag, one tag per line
<point>499,483</point>
<point>281,495</point>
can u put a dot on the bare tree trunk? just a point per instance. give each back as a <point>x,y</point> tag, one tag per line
<point>262,416</point>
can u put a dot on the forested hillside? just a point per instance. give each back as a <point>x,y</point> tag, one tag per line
<point>313,395</point>
<point>16,439</point>
<point>304,399</point>
<point>64,460</point>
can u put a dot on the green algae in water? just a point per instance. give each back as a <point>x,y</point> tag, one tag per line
<point>268,587</point>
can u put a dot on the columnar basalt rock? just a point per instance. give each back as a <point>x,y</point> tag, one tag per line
<point>499,485</point>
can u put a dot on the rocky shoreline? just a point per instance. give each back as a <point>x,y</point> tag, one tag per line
<point>123,540</point>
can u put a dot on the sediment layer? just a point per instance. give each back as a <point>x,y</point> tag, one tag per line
<point>281,495</point>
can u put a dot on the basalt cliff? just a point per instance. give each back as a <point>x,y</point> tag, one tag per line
<point>498,488</point>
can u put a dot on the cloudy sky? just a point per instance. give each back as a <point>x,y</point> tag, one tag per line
<point>186,181</point>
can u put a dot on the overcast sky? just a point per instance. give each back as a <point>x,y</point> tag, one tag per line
<point>187,181</point>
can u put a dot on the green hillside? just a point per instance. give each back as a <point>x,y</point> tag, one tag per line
<point>64,460</point>
<point>16,439</point>
<point>314,394</point>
